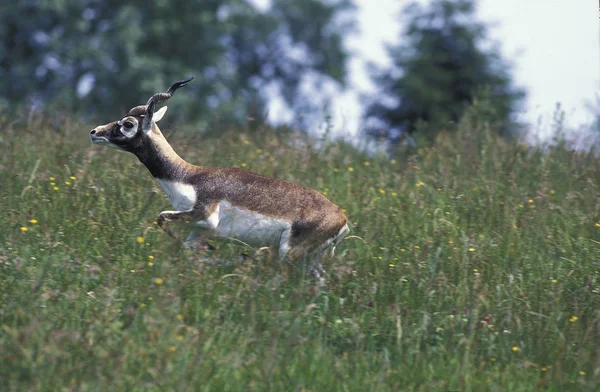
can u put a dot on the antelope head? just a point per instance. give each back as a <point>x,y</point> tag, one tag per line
<point>132,132</point>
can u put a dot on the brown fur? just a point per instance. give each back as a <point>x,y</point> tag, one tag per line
<point>314,218</point>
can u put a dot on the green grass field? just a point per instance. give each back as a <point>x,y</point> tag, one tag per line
<point>472,265</point>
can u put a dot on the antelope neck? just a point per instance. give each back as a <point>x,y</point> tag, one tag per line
<point>162,161</point>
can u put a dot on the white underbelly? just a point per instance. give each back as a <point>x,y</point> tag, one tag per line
<point>246,226</point>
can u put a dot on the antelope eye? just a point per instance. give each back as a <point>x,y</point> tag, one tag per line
<point>128,124</point>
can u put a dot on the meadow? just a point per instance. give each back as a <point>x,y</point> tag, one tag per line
<point>472,264</point>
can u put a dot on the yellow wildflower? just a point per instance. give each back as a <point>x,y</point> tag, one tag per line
<point>420,184</point>
<point>350,169</point>
<point>140,240</point>
<point>33,221</point>
<point>515,349</point>
<point>471,249</point>
<point>394,194</point>
<point>179,337</point>
<point>573,319</point>
<point>581,373</point>
<point>52,178</point>
<point>159,281</point>
<point>56,188</point>
<point>151,257</point>
<point>244,164</point>
<point>382,191</point>
<point>367,163</point>
<point>67,183</point>
<point>150,264</point>
<point>180,316</point>
<point>530,201</point>
<point>24,229</point>
<point>73,178</point>
<point>172,349</point>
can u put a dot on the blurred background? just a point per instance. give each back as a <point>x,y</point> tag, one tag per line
<point>356,68</point>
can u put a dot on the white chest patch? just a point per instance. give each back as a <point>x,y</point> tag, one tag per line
<point>182,196</point>
<point>247,226</point>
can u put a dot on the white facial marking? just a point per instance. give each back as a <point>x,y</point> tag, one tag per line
<point>182,196</point>
<point>128,132</point>
<point>104,142</point>
<point>246,226</point>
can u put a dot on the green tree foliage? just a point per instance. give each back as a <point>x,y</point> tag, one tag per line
<point>51,50</point>
<point>440,67</point>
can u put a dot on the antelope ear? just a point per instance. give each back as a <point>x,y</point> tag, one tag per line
<point>159,114</point>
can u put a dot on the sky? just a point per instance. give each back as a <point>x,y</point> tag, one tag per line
<point>554,46</point>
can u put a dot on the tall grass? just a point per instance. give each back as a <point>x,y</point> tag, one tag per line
<point>471,265</point>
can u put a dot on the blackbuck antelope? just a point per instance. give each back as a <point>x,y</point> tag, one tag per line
<point>227,202</point>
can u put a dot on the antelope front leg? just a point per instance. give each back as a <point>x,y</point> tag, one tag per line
<point>196,215</point>
<point>162,220</point>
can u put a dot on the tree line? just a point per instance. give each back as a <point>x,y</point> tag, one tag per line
<point>101,56</point>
